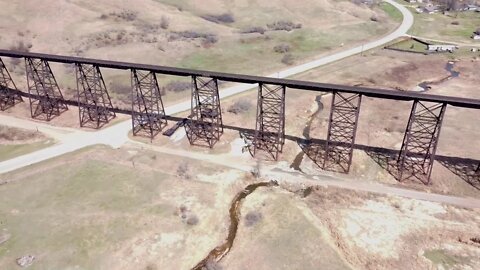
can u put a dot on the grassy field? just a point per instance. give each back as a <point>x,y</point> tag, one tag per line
<point>190,37</point>
<point>15,150</point>
<point>455,27</point>
<point>392,12</point>
<point>97,215</point>
<point>281,238</point>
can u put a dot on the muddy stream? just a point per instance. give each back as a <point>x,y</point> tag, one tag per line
<point>220,251</point>
<point>427,85</point>
<point>306,133</point>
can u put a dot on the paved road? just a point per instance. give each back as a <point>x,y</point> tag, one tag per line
<point>116,135</point>
<point>70,140</point>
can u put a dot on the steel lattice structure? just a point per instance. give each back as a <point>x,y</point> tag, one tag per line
<point>148,113</point>
<point>270,124</point>
<point>8,98</point>
<point>342,129</point>
<point>204,126</point>
<point>46,99</point>
<point>419,145</point>
<point>95,107</point>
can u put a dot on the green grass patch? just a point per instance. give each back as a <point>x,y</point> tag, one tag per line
<point>391,11</point>
<point>73,215</point>
<point>15,150</point>
<point>454,27</point>
<point>441,257</point>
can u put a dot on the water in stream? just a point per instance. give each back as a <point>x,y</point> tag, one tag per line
<point>306,133</point>
<point>426,85</point>
<point>220,251</point>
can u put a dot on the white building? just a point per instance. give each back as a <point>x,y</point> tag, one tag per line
<point>442,47</point>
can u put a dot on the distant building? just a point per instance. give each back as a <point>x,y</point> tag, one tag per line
<point>441,47</point>
<point>429,9</point>
<point>476,37</point>
<point>471,8</point>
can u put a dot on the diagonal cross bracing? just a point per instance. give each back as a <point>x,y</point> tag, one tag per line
<point>47,100</point>
<point>342,129</point>
<point>148,113</point>
<point>8,98</point>
<point>95,107</point>
<point>204,126</point>
<point>270,124</point>
<point>419,145</point>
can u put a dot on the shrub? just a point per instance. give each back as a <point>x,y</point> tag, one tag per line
<point>254,29</point>
<point>222,18</point>
<point>177,86</point>
<point>281,48</point>
<point>182,170</point>
<point>164,22</point>
<point>208,37</point>
<point>284,26</point>
<point>240,106</point>
<point>455,23</point>
<point>288,59</point>
<point>252,218</point>
<point>374,18</point>
<point>21,47</point>
<point>192,220</point>
<point>126,15</point>
<point>103,17</point>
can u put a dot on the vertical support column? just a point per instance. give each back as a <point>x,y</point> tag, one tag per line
<point>270,125</point>
<point>46,99</point>
<point>342,129</point>
<point>8,95</point>
<point>148,113</point>
<point>95,107</point>
<point>420,141</point>
<point>204,126</point>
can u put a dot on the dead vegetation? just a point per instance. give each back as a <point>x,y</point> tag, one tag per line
<point>240,106</point>
<point>224,18</point>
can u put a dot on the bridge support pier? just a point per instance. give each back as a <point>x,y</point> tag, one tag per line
<point>270,124</point>
<point>204,126</point>
<point>419,145</point>
<point>148,113</point>
<point>95,107</point>
<point>8,98</point>
<point>342,129</point>
<point>46,99</point>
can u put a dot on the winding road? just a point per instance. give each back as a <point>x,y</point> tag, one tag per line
<point>70,140</point>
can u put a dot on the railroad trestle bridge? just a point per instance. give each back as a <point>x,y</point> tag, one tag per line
<point>204,125</point>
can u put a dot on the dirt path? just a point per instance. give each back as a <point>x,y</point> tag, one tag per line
<point>288,175</point>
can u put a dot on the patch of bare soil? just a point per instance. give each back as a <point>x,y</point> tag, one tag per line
<point>376,232</point>
<point>12,136</point>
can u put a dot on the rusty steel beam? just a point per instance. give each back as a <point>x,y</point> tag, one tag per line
<point>204,126</point>
<point>417,154</point>
<point>148,113</point>
<point>295,84</point>
<point>8,98</point>
<point>41,83</point>
<point>342,129</point>
<point>270,124</point>
<point>94,103</point>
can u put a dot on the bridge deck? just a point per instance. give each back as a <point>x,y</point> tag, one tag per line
<point>295,84</point>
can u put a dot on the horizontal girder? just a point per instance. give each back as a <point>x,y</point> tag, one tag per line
<point>295,84</point>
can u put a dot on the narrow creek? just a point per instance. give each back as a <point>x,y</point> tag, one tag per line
<point>306,133</point>
<point>427,85</point>
<point>216,254</point>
